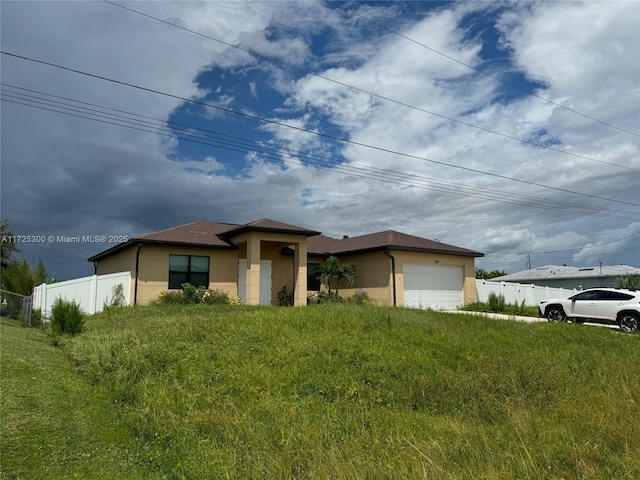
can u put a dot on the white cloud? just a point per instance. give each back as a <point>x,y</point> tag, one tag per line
<point>586,54</point>
<point>72,174</point>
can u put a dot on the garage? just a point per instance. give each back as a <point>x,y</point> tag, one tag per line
<point>439,287</point>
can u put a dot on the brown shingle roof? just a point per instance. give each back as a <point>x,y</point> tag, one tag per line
<point>268,225</point>
<point>388,239</point>
<point>212,234</point>
<point>321,244</point>
<point>203,232</point>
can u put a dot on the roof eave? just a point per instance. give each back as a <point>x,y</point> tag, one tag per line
<point>138,241</point>
<point>469,253</point>
<point>464,253</point>
<point>112,250</point>
<point>232,233</point>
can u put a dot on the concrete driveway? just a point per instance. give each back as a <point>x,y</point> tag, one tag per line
<point>519,318</point>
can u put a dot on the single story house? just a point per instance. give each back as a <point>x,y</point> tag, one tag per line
<point>255,260</point>
<point>571,277</point>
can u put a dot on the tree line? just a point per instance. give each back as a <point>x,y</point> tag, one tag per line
<point>17,275</point>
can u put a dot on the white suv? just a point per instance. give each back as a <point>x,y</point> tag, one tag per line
<point>602,305</point>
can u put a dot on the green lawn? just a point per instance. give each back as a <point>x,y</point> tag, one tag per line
<point>55,424</point>
<point>329,391</point>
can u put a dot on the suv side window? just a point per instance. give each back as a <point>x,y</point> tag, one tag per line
<point>590,295</point>
<point>616,296</point>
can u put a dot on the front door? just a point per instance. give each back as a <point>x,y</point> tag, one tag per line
<point>265,280</point>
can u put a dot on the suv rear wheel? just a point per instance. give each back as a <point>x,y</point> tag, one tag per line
<point>555,314</point>
<point>628,322</point>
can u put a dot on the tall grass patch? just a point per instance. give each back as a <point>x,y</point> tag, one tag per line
<point>349,391</point>
<point>66,317</point>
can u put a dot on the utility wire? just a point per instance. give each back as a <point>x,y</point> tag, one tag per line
<point>498,79</point>
<point>35,99</point>
<point>246,146</point>
<point>552,260</point>
<point>312,132</point>
<point>361,90</point>
<point>44,101</point>
<point>565,250</point>
<point>289,156</point>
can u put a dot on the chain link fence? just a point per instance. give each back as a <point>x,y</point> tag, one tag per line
<point>15,306</point>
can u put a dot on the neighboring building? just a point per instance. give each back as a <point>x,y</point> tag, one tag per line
<point>255,260</point>
<point>571,277</point>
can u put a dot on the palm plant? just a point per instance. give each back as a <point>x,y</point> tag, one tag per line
<point>346,271</point>
<point>334,269</point>
<point>328,271</point>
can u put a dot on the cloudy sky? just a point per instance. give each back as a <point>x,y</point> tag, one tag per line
<point>508,128</point>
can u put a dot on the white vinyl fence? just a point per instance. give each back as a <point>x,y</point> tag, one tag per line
<point>517,292</point>
<point>91,293</point>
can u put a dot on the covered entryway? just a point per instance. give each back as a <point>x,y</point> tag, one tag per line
<point>265,281</point>
<point>439,287</point>
<point>263,240</point>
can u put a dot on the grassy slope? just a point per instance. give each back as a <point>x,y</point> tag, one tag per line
<point>54,424</point>
<point>340,391</point>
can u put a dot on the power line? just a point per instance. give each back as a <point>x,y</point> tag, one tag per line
<point>556,258</point>
<point>549,260</point>
<point>313,132</point>
<point>239,144</point>
<point>565,250</point>
<point>375,95</point>
<point>528,92</point>
<point>355,170</point>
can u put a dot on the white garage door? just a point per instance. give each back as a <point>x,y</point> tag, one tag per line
<point>432,286</point>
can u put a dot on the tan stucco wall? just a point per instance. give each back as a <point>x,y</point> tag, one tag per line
<point>154,269</point>
<point>373,274</point>
<point>281,270</point>
<point>124,261</point>
<point>223,268</point>
<point>282,266</point>
<point>373,269</point>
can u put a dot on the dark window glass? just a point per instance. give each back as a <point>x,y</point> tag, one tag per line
<point>176,279</point>
<point>178,263</point>
<point>592,295</point>
<point>200,264</point>
<point>313,282</point>
<point>199,279</point>
<point>619,296</point>
<point>193,269</point>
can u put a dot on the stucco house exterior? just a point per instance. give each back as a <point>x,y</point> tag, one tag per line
<point>255,260</point>
<point>571,277</point>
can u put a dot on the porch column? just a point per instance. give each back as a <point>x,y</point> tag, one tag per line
<point>252,290</point>
<point>300,265</point>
